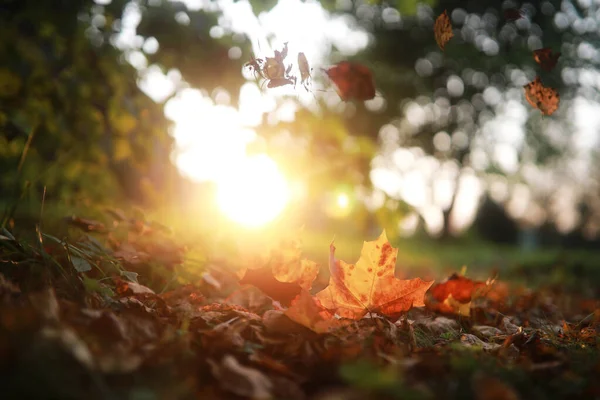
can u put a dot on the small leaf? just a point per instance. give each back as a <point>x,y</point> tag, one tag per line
<point>80,264</point>
<point>443,30</point>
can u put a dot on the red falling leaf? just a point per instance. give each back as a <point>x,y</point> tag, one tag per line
<point>353,81</point>
<point>512,14</point>
<point>462,289</point>
<point>546,58</point>
<point>370,285</point>
<point>545,99</point>
<point>443,30</point>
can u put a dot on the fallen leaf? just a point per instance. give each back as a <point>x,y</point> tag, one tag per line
<point>308,311</point>
<point>241,380</point>
<point>353,81</point>
<point>469,340</point>
<point>87,225</point>
<point>490,388</point>
<point>370,285</point>
<point>461,288</point>
<point>545,99</point>
<point>486,331</point>
<point>546,58</point>
<point>443,30</point>
<point>437,325</point>
<point>125,288</point>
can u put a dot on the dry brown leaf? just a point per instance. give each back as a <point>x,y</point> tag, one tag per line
<point>545,99</point>
<point>241,380</point>
<point>443,30</point>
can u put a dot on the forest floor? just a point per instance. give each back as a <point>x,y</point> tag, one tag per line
<point>124,311</point>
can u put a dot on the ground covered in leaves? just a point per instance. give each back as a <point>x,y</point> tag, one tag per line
<point>105,316</point>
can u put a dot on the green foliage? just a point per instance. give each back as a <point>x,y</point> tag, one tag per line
<point>95,132</point>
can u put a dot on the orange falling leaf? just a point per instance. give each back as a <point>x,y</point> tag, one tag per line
<point>545,99</point>
<point>546,58</point>
<point>443,30</point>
<point>370,285</point>
<point>353,81</point>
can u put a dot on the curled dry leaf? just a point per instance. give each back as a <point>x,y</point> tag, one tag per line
<point>353,81</point>
<point>370,285</point>
<point>546,58</point>
<point>304,70</point>
<point>545,99</point>
<point>443,30</point>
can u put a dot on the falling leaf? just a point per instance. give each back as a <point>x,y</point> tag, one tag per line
<point>370,284</point>
<point>304,70</point>
<point>512,14</point>
<point>443,30</point>
<point>275,71</point>
<point>545,99</point>
<point>308,311</point>
<point>353,81</point>
<point>256,66</point>
<point>546,58</point>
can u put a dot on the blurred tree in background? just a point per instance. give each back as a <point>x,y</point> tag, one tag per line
<point>455,121</point>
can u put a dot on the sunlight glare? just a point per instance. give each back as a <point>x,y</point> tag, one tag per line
<point>255,194</point>
<point>342,200</point>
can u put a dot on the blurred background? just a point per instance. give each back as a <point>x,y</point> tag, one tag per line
<point>147,104</point>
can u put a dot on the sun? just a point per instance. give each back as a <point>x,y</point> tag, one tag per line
<point>254,193</point>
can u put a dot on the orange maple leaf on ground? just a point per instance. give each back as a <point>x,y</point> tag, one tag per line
<point>370,285</point>
<point>545,99</point>
<point>455,294</point>
<point>443,30</point>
